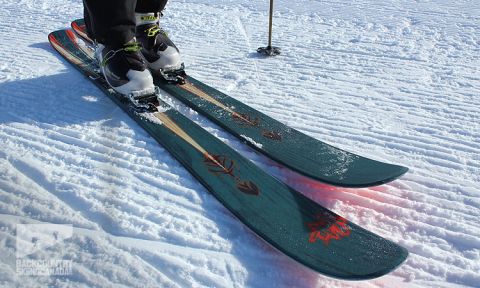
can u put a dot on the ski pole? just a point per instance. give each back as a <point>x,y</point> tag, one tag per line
<point>269,50</point>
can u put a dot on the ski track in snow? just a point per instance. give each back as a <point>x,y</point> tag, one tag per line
<point>396,81</point>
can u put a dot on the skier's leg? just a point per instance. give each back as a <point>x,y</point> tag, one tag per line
<point>159,51</point>
<point>88,23</point>
<point>112,24</point>
<point>112,21</point>
<point>147,6</point>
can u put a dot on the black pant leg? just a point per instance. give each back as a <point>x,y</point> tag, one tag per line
<point>111,22</point>
<point>148,6</point>
<point>88,22</point>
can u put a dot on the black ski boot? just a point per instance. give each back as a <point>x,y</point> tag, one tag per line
<point>125,69</point>
<point>159,51</point>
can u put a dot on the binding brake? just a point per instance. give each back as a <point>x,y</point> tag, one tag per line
<point>175,76</point>
<point>147,102</point>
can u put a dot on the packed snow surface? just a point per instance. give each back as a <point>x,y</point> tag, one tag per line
<point>396,81</point>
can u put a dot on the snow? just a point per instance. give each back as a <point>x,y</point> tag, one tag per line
<point>251,141</point>
<point>394,80</point>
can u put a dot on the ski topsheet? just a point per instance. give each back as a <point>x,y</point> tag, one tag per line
<point>299,152</point>
<point>289,221</point>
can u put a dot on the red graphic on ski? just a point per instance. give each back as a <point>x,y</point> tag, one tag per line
<point>325,229</point>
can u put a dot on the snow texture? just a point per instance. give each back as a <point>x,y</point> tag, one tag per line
<point>251,141</point>
<point>396,81</point>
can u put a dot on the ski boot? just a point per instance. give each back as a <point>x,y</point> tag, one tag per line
<point>125,69</point>
<point>161,54</point>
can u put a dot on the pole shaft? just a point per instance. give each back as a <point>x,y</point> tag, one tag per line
<point>270,24</point>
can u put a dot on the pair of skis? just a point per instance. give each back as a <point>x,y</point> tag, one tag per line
<point>289,221</point>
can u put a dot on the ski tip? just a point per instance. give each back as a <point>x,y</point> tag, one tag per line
<point>400,257</point>
<point>366,179</point>
<point>397,172</point>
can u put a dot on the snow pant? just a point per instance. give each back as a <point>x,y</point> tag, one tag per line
<point>112,22</point>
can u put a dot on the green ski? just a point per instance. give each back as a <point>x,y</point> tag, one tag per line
<point>283,217</point>
<point>295,150</point>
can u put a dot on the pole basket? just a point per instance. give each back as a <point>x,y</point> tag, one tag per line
<point>269,51</point>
